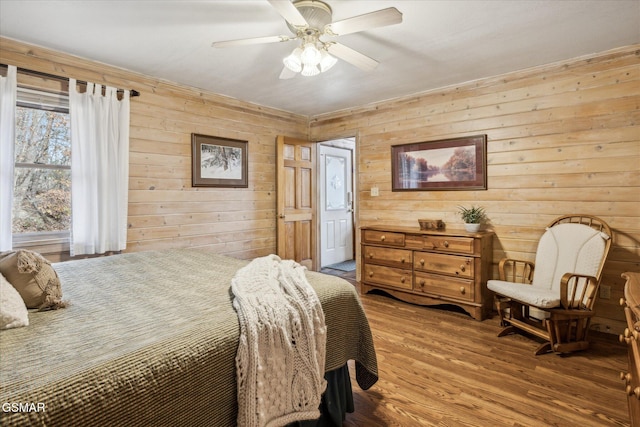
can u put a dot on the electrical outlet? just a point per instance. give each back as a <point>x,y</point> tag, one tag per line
<point>605,292</point>
<point>375,192</point>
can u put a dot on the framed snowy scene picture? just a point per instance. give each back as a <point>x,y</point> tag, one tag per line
<point>218,162</point>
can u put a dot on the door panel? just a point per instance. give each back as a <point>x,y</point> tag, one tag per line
<point>295,200</point>
<point>336,212</point>
<point>305,187</point>
<point>330,235</point>
<point>344,232</point>
<point>289,191</point>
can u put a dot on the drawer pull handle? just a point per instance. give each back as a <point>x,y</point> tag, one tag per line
<point>402,260</point>
<point>622,301</point>
<point>370,255</point>
<point>626,377</point>
<point>421,262</point>
<point>623,340</point>
<point>462,289</point>
<point>402,279</point>
<point>462,267</point>
<point>382,238</point>
<point>422,283</point>
<point>371,274</point>
<point>633,392</point>
<point>446,244</point>
<point>626,337</point>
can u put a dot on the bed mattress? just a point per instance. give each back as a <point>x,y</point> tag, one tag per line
<point>150,338</point>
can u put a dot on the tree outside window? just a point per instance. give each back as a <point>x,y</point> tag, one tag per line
<point>42,190</point>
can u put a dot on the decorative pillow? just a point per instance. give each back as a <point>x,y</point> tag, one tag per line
<point>13,312</point>
<point>34,278</point>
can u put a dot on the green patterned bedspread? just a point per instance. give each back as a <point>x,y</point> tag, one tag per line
<point>150,340</point>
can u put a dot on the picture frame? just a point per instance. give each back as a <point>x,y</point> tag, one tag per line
<point>219,162</point>
<point>447,164</point>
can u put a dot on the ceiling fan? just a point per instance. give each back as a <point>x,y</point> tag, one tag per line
<point>310,22</point>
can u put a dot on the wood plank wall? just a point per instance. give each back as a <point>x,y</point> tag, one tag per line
<point>164,210</point>
<point>563,138</point>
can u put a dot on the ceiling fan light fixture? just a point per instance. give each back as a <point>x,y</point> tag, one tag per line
<point>310,21</point>
<point>310,70</point>
<point>310,55</point>
<point>327,61</point>
<point>294,61</point>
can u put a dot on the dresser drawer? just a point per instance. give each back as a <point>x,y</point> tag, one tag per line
<point>632,387</point>
<point>448,244</point>
<point>631,336</point>
<point>632,379</point>
<point>387,276</point>
<point>445,286</point>
<point>446,264</point>
<point>428,267</point>
<point>383,237</point>
<point>400,258</point>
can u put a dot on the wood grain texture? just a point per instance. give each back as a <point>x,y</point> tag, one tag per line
<point>296,182</point>
<point>442,368</point>
<point>562,138</point>
<point>164,210</point>
<point>631,338</point>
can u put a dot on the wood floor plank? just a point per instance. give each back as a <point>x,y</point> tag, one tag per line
<point>443,368</point>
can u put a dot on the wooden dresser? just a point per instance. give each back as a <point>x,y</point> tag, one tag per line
<point>429,267</point>
<point>631,336</point>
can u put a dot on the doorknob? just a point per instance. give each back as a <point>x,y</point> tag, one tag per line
<point>281,216</point>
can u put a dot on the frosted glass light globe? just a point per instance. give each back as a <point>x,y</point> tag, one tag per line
<point>310,70</point>
<point>310,55</point>
<point>293,61</point>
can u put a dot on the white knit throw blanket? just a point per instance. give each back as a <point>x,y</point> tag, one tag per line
<point>281,354</point>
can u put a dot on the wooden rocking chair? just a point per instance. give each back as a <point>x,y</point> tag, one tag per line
<point>556,304</point>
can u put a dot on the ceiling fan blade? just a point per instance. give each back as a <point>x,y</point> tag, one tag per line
<point>255,40</point>
<point>381,18</point>
<point>352,57</point>
<point>289,12</point>
<point>287,74</point>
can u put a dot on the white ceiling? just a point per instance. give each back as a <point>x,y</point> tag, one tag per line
<point>439,43</point>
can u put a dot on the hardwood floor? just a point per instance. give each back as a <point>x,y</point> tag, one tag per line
<point>440,367</point>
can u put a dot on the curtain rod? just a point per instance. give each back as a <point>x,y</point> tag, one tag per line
<point>132,92</point>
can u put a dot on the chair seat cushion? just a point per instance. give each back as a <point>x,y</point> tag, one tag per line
<point>542,298</point>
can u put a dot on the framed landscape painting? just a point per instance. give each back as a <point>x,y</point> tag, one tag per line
<point>447,164</point>
<point>218,162</point>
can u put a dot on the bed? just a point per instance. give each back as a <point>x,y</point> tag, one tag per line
<point>150,338</point>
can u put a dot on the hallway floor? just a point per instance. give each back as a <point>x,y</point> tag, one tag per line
<point>349,276</point>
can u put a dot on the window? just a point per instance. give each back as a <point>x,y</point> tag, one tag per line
<point>42,186</point>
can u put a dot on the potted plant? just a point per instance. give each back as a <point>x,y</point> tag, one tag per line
<point>472,217</point>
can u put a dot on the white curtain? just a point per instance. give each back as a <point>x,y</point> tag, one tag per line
<point>99,169</point>
<point>8,90</point>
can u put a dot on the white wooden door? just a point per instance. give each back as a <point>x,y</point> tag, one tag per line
<point>336,205</point>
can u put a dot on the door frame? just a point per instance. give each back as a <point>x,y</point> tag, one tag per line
<point>348,143</point>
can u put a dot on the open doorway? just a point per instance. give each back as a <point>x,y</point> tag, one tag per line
<point>336,203</point>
